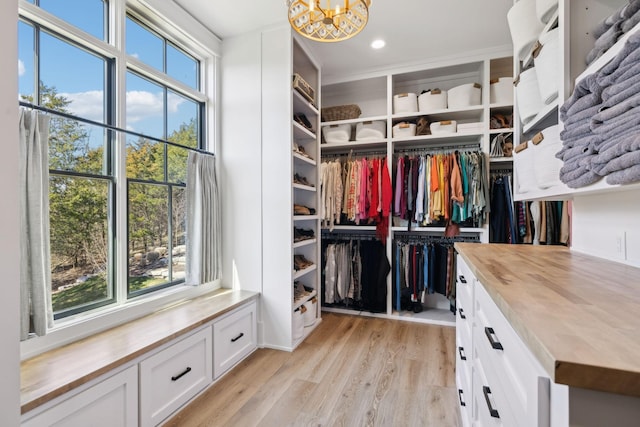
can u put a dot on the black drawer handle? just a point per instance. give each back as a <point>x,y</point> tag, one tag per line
<point>493,340</point>
<point>177,377</point>
<point>487,391</point>
<point>461,311</point>
<point>461,352</point>
<point>462,279</point>
<point>238,337</point>
<point>460,397</point>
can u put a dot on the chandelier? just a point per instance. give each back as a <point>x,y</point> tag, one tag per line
<point>327,24</point>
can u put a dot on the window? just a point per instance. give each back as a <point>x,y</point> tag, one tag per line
<point>92,218</point>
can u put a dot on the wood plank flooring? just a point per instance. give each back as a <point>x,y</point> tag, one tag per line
<point>351,371</point>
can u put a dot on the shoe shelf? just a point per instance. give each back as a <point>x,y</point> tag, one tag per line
<point>303,243</point>
<point>303,158</point>
<point>301,105</point>
<point>304,187</point>
<point>305,217</point>
<point>499,131</point>
<point>301,132</point>
<point>297,303</point>
<point>299,273</point>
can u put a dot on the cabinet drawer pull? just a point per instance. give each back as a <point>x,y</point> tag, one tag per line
<point>461,311</point>
<point>460,397</point>
<point>238,337</point>
<point>462,279</point>
<point>461,352</point>
<point>493,340</point>
<point>487,391</point>
<point>182,374</point>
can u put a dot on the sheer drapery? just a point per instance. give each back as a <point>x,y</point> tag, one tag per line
<point>203,220</point>
<point>36,313</point>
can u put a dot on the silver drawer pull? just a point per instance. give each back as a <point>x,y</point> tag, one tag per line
<point>462,403</point>
<point>462,279</point>
<point>493,340</point>
<point>177,377</point>
<point>461,311</point>
<point>493,412</point>
<point>461,352</point>
<point>238,337</point>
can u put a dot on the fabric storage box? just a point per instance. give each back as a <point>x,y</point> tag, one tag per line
<point>470,127</point>
<point>464,96</point>
<point>528,95</point>
<point>337,133</point>
<point>546,166</point>
<point>523,164</point>
<point>524,25</point>
<point>403,129</point>
<point>444,127</point>
<point>309,316</point>
<point>432,100</point>
<point>547,61</point>
<point>371,130</point>
<point>545,9</point>
<point>501,91</point>
<point>298,323</point>
<point>340,112</point>
<point>405,103</point>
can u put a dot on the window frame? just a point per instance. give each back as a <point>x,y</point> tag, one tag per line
<point>189,36</point>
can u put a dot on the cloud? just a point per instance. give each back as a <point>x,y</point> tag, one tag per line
<point>21,68</point>
<point>89,105</point>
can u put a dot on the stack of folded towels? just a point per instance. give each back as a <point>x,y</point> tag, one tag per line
<point>614,27</point>
<point>601,135</point>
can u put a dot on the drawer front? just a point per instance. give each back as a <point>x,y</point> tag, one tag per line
<point>508,363</point>
<point>173,376</point>
<point>464,358</point>
<point>234,337</point>
<point>487,412</point>
<point>464,398</point>
<point>465,280</point>
<point>464,322</point>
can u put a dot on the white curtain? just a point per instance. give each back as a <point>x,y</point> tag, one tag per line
<point>36,313</point>
<point>203,220</point>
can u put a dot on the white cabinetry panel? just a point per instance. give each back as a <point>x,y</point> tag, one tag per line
<point>234,337</point>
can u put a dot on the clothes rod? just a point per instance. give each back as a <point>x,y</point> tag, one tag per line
<point>359,155</point>
<point>429,150</point>
<point>110,127</point>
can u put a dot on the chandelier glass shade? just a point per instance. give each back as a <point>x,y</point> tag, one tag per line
<point>321,21</point>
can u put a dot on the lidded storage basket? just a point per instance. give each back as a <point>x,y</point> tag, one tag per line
<point>464,96</point>
<point>432,100</point>
<point>371,130</point>
<point>340,112</point>
<point>523,164</point>
<point>444,127</point>
<point>547,61</point>
<point>528,95</point>
<point>546,166</point>
<point>524,25</point>
<point>405,103</point>
<point>403,130</point>
<point>501,91</point>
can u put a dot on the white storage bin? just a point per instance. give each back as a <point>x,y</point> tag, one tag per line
<point>545,9</point>
<point>545,164</point>
<point>298,323</point>
<point>547,62</point>
<point>336,133</point>
<point>371,130</point>
<point>403,129</point>
<point>432,100</point>
<point>470,127</point>
<point>405,103</point>
<point>524,25</point>
<point>444,127</point>
<point>501,91</point>
<point>464,96</point>
<point>528,95</point>
<point>309,316</point>
<point>523,164</point>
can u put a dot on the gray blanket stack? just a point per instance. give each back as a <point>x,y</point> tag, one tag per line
<point>612,28</point>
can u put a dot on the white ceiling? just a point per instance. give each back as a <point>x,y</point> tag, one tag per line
<point>415,30</point>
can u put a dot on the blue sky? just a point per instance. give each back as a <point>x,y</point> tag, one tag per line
<point>79,76</point>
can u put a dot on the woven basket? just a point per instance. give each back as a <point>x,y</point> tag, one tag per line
<point>340,112</point>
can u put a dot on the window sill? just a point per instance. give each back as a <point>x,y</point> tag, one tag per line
<point>76,327</point>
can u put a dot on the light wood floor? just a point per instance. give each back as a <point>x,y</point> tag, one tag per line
<point>351,371</point>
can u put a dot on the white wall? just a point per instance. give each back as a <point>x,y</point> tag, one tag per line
<point>608,226</point>
<point>9,219</point>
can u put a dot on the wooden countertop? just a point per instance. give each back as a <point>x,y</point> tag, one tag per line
<point>51,374</point>
<point>578,314</point>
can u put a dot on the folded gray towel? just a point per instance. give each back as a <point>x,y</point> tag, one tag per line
<point>630,9</point>
<point>626,176</point>
<point>616,148</point>
<point>617,125</point>
<point>586,94</point>
<point>626,56</point>
<point>586,114</point>
<point>605,42</point>
<point>616,106</point>
<point>624,161</point>
<point>631,22</point>
<point>608,77</point>
<point>626,80</point>
<point>578,176</point>
<point>568,154</point>
<point>578,130</point>
<point>584,180</point>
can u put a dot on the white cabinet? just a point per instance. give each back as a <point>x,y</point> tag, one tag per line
<point>464,339</point>
<point>234,337</point>
<point>111,402</point>
<point>171,377</point>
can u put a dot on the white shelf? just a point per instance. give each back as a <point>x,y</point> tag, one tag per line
<point>301,105</point>
<point>358,120</point>
<point>435,229</point>
<point>304,159</point>
<point>298,274</point>
<point>542,115</point>
<point>355,145</point>
<point>305,217</point>
<point>303,243</point>
<point>300,131</point>
<point>562,192</point>
<point>501,159</point>
<point>300,301</point>
<point>499,131</point>
<point>474,112</point>
<point>460,137</point>
<point>304,187</point>
<point>351,228</point>
<point>498,106</point>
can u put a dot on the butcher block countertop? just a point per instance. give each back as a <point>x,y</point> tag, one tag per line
<point>51,374</point>
<point>578,314</point>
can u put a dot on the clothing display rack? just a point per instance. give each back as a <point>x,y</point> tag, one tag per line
<point>351,154</point>
<point>337,235</point>
<point>404,237</point>
<point>445,149</point>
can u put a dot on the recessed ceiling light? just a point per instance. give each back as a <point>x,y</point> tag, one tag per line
<point>378,44</point>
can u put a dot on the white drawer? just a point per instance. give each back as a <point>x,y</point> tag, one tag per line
<point>486,411</point>
<point>234,337</point>
<point>464,398</point>
<point>517,378</point>
<point>464,285</point>
<point>464,358</point>
<point>171,377</point>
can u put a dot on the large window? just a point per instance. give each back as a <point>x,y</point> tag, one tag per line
<point>71,67</point>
